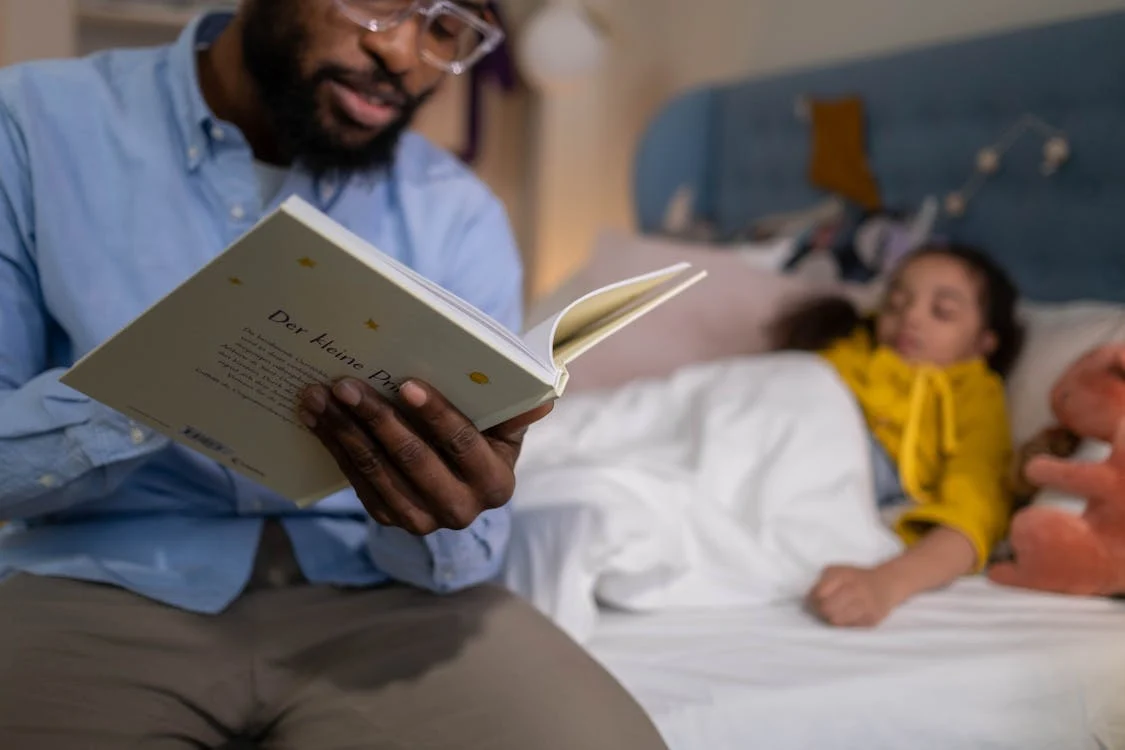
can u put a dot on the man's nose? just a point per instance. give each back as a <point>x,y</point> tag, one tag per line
<point>397,47</point>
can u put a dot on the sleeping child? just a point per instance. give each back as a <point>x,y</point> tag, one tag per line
<point>927,371</point>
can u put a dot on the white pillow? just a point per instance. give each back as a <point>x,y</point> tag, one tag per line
<point>1057,334</point>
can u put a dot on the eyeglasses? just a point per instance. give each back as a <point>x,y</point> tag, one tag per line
<point>452,37</point>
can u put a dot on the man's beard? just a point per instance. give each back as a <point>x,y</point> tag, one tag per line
<point>273,45</point>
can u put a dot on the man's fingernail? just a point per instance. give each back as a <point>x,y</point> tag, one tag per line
<point>314,401</point>
<point>308,420</point>
<point>413,394</point>
<point>347,392</point>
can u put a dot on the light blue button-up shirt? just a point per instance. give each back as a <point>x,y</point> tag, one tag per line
<point>116,184</point>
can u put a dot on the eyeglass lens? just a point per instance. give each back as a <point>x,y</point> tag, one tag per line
<point>450,38</point>
<point>446,36</point>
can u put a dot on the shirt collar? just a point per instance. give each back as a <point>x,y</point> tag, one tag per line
<point>193,116</point>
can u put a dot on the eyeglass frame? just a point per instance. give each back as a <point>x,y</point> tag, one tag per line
<point>428,9</point>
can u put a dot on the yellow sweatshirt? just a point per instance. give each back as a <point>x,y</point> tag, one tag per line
<point>947,431</point>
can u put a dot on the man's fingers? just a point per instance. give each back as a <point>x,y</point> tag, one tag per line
<point>412,456</point>
<point>371,461</point>
<point>472,454</point>
<point>444,465</point>
<point>371,499</point>
<point>514,429</point>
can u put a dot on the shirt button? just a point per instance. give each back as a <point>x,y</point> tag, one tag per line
<point>48,480</point>
<point>193,153</point>
<point>217,133</point>
<point>237,212</point>
<point>137,435</point>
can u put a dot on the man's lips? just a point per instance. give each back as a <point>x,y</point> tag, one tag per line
<point>371,109</point>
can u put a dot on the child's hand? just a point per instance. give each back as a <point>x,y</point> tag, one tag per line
<point>846,596</point>
<point>852,597</point>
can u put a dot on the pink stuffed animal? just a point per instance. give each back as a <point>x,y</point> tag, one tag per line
<point>1056,551</point>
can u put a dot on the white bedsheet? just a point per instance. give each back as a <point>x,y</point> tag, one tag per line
<point>729,483</point>
<point>972,667</point>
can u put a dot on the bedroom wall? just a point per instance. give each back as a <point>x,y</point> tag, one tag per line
<point>34,29</point>
<point>662,46</point>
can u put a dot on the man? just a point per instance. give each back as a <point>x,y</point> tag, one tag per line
<point>150,598</point>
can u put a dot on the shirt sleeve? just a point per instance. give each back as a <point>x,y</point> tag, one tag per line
<point>486,271</point>
<point>57,448</point>
<point>973,496</point>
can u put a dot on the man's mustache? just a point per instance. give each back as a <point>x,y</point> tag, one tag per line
<point>377,83</point>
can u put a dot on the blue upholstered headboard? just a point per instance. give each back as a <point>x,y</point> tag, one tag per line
<point>745,151</point>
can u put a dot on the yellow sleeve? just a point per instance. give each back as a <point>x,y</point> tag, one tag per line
<point>973,495</point>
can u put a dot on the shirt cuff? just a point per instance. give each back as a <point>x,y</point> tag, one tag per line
<point>110,437</point>
<point>103,436</point>
<point>446,560</point>
<point>466,558</point>
<point>59,448</point>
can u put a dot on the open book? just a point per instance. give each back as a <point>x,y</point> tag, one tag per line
<point>218,364</point>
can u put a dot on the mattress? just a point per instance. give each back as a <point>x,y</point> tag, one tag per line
<point>974,666</point>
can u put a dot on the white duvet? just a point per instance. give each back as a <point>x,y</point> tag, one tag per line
<point>730,483</point>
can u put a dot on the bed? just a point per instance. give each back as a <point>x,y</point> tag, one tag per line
<point>973,666</point>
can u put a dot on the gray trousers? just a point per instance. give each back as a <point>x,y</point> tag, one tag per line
<point>293,666</point>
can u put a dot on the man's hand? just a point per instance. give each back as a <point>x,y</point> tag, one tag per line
<point>422,466</point>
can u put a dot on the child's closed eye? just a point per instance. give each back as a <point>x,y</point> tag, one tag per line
<point>945,312</point>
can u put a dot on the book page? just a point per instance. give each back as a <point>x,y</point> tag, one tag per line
<point>554,332</point>
<point>581,341</point>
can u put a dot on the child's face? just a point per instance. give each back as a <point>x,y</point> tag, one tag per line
<point>932,313</point>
